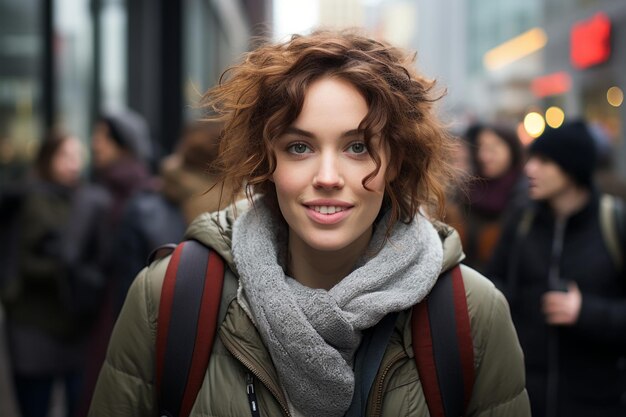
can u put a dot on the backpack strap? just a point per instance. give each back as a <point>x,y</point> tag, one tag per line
<point>443,346</point>
<point>612,226</point>
<point>367,361</point>
<point>187,323</point>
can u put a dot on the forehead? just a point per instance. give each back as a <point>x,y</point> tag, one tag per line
<point>490,138</point>
<point>330,105</point>
<point>547,165</point>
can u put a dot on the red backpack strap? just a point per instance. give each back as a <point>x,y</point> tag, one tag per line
<point>443,347</point>
<point>186,326</point>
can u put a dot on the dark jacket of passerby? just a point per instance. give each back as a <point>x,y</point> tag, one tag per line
<point>155,217</point>
<point>60,241</point>
<point>150,220</point>
<point>123,179</point>
<point>578,369</point>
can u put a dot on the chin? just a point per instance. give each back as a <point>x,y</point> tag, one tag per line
<point>536,196</point>
<point>324,243</point>
<point>326,246</point>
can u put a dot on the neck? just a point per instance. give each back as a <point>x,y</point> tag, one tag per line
<point>323,269</point>
<point>569,201</point>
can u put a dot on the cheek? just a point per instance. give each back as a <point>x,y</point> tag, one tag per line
<point>506,158</point>
<point>285,182</point>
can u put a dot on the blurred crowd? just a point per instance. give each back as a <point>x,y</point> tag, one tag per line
<point>531,218</point>
<point>72,239</point>
<point>545,222</point>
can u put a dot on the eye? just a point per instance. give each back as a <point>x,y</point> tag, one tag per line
<point>298,148</point>
<point>357,148</point>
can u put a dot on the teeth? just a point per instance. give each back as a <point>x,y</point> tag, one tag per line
<point>327,209</point>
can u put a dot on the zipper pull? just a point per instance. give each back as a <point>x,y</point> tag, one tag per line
<point>254,408</point>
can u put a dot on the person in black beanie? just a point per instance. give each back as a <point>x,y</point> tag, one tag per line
<point>572,148</point>
<point>566,291</point>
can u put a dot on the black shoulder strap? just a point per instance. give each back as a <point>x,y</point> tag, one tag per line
<point>443,347</point>
<point>187,324</point>
<point>367,361</point>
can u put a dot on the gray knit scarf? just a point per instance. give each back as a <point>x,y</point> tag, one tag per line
<point>312,334</point>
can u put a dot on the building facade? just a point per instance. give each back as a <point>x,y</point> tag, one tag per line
<point>64,61</point>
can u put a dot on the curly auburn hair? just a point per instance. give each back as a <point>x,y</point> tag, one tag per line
<point>262,96</point>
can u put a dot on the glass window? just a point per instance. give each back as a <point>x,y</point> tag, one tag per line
<point>215,35</point>
<point>113,56</point>
<point>20,85</point>
<point>73,57</point>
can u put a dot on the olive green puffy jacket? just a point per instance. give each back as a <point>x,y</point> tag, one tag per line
<point>126,383</point>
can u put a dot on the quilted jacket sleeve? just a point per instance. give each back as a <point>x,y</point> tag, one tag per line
<point>500,384</point>
<point>125,386</point>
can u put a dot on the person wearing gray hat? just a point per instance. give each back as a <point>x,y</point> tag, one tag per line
<point>126,130</point>
<point>121,149</point>
<point>564,280</point>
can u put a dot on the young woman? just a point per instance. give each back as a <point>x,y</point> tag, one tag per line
<point>496,154</point>
<point>335,138</point>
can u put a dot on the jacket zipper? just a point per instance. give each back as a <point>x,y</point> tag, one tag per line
<point>276,392</point>
<point>378,400</point>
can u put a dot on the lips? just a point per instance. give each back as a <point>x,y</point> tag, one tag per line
<point>327,211</point>
<point>327,206</point>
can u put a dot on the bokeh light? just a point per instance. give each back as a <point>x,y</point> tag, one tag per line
<point>534,124</point>
<point>555,117</point>
<point>615,96</point>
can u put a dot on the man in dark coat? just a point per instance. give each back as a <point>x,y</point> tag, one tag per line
<point>567,293</point>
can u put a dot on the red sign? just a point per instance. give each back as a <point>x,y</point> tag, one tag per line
<point>551,84</point>
<point>591,41</point>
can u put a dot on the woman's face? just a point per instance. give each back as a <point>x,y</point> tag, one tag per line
<point>321,162</point>
<point>494,155</point>
<point>67,163</point>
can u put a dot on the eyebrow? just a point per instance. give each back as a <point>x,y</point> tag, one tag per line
<point>296,131</point>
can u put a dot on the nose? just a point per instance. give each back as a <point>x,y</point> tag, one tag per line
<point>329,175</point>
<point>530,167</point>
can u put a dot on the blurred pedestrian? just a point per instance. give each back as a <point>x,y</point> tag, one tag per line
<point>188,187</point>
<point>334,137</point>
<point>121,150</point>
<point>52,303</point>
<point>495,185</point>
<point>456,196</point>
<point>567,293</point>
